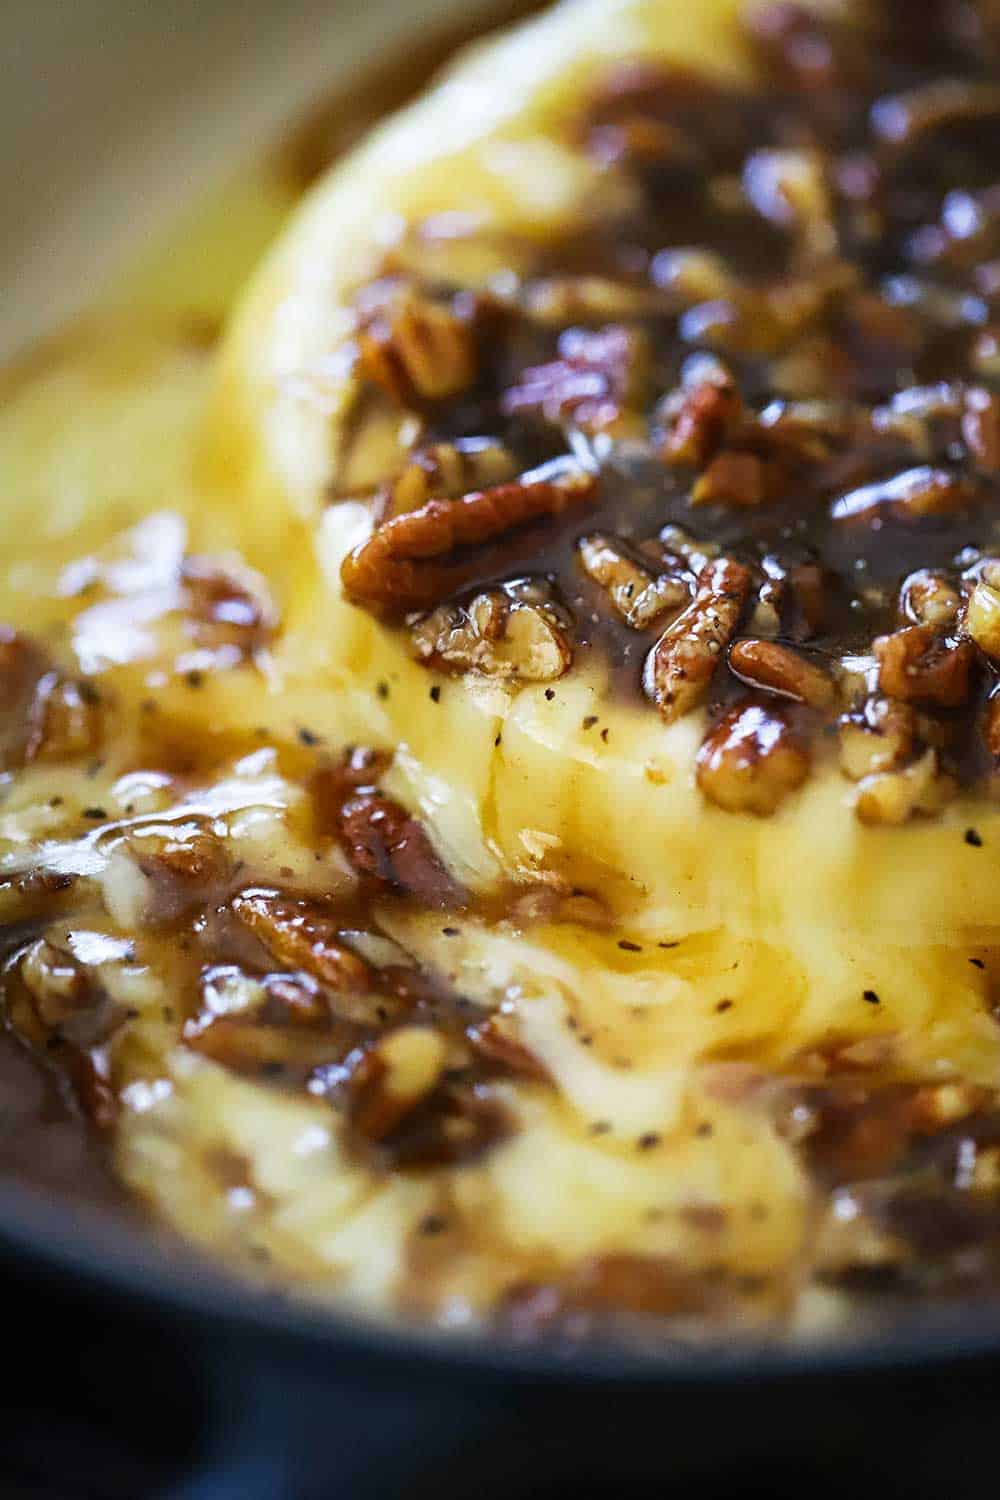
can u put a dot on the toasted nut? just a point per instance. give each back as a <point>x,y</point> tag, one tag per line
<point>392,1076</point>
<point>915,664</point>
<point>782,670</point>
<point>638,594</point>
<point>991,727</point>
<point>906,497</point>
<point>732,478</point>
<point>64,719</point>
<point>496,1041</point>
<point>751,760</point>
<point>894,796</point>
<point>446,471</point>
<point>981,428</point>
<point>701,414</point>
<point>415,349</point>
<point>982,612</point>
<point>789,188</point>
<point>928,598</point>
<point>396,566</point>
<point>903,121</point>
<point>692,276</point>
<point>498,635</point>
<point>595,384</point>
<point>382,840</point>
<point>227,603</point>
<point>696,554</point>
<point>561,300</point>
<point>680,666</point>
<point>880,737</point>
<point>301,935</point>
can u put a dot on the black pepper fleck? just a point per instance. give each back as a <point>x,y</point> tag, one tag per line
<point>435,694</point>
<point>647,1141</point>
<point>973,838</point>
<point>96,814</point>
<point>629,947</point>
<point>871,998</point>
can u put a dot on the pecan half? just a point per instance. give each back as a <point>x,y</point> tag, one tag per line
<point>227,605</point>
<point>751,760</point>
<point>301,935</point>
<point>638,593</point>
<point>446,471</point>
<point>382,840</point>
<point>597,379</point>
<point>681,665</point>
<point>414,348</point>
<point>500,633</point>
<point>782,670</point>
<point>916,665</point>
<point>398,567</point>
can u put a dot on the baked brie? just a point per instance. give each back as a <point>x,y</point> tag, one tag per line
<point>501,813</point>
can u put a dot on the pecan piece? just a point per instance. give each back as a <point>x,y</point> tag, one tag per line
<point>982,611</point>
<point>789,188</point>
<point>597,379</point>
<point>499,633</point>
<point>397,566</point>
<point>495,1040</point>
<point>639,595</point>
<point>382,840</point>
<point>399,1103</point>
<point>782,670</point>
<point>895,796</point>
<point>301,935</point>
<point>680,666</point>
<point>700,416</point>
<point>880,736</point>
<point>228,604</point>
<point>908,496</point>
<point>446,471</point>
<point>64,719</point>
<point>414,348</point>
<point>928,598</point>
<point>916,665</point>
<point>981,428</point>
<point>751,760</point>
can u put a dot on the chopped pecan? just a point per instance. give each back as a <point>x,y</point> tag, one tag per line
<point>382,840</point>
<point>302,935</point>
<point>596,381</point>
<point>391,1076</point>
<point>228,604</point>
<point>639,594</point>
<point>929,598</point>
<point>186,866</point>
<point>680,666</point>
<point>398,567</point>
<point>982,611</point>
<point>752,759</point>
<point>446,471</point>
<point>561,300</point>
<point>918,666</point>
<point>783,670</point>
<point>414,348</point>
<point>733,478</point>
<point>400,1104</point>
<point>701,414</point>
<point>59,1008</point>
<point>495,1040</point>
<point>880,736</point>
<point>897,795</point>
<point>514,633</point>
<point>908,496</point>
<point>981,428</point>
<point>789,188</point>
<point>64,719</point>
<point>904,121</point>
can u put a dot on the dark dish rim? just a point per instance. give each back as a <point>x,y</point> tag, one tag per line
<point>88,1252</point>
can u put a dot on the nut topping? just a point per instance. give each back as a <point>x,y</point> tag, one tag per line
<point>916,665</point>
<point>500,633</point>
<point>414,348</point>
<point>752,760</point>
<point>782,670</point>
<point>397,567</point>
<point>446,471</point>
<point>593,385</point>
<point>681,665</point>
<point>300,935</point>
<point>638,594</point>
<point>982,612</point>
